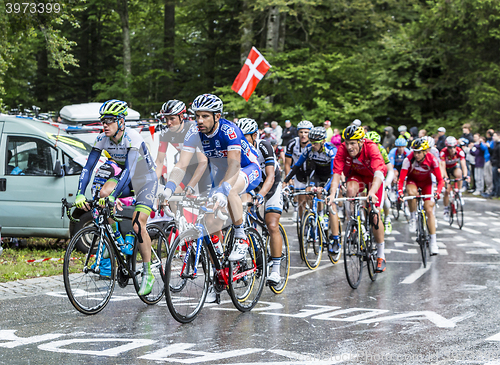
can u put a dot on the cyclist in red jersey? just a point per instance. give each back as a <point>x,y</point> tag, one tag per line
<point>363,166</point>
<point>418,167</point>
<point>450,156</point>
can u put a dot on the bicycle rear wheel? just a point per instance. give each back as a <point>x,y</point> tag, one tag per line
<point>247,276</point>
<point>186,292</point>
<point>299,233</point>
<point>421,237</point>
<point>312,241</point>
<point>353,261</point>
<point>284,263</point>
<point>334,258</point>
<point>159,255</point>
<point>89,280</point>
<point>371,257</point>
<point>459,209</point>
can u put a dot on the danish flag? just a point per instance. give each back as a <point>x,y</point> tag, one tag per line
<point>253,71</point>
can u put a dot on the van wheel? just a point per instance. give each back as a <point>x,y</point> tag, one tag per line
<point>84,243</point>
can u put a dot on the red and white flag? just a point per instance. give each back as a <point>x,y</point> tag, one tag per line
<point>253,71</point>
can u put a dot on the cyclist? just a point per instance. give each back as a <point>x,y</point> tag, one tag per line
<point>450,156</point>
<point>235,160</point>
<point>173,113</point>
<point>375,137</point>
<point>320,155</point>
<point>294,150</point>
<point>269,193</point>
<point>128,149</point>
<point>398,154</point>
<point>418,167</point>
<point>363,166</point>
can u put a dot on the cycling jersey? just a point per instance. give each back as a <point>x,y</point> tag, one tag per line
<point>132,156</point>
<point>419,173</point>
<point>451,161</point>
<point>384,154</point>
<point>294,151</point>
<point>368,162</point>
<point>397,158</point>
<point>267,157</point>
<point>226,137</point>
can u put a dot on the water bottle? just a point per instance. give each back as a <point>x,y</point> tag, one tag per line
<point>217,245</point>
<point>119,238</point>
<point>326,220</point>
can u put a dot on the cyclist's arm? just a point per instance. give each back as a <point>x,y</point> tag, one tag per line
<point>463,164</point>
<point>200,169</point>
<point>296,167</point>
<point>179,169</point>
<point>439,178</point>
<point>160,158</point>
<point>335,181</point>
<point>442,166</point>
<point>86,173</point>
<point>403,173</point>
<point>268,183</point>
<point>127,173</point>
<point>390,174</point>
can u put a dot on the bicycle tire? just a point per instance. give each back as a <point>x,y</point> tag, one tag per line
<point>159,255</point>
<point>353,261</point>
<point>459,212</point>
<point>88,291</point>
<point>186,295</point>
<point>421,238</point>
<point>299,233</point>
<point>247,277</point>
<point>452,210</point>
<point>396,206</point>
<point>371,257</point>
<point>334,258</point>
<point>312,241</point>
<point>284,263</point>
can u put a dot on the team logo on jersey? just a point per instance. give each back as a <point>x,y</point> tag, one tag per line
<point>217,143</point>
<point>231,133</point>
<point>254,176</point>
<point>206,142</point>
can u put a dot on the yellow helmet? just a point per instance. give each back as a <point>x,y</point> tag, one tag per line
<point>353,132</point>
<point>420,144</point>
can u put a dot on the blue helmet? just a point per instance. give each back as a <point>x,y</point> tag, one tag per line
<point>207,103</point>
<point>401,142</point>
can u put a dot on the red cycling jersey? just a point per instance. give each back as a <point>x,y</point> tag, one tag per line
<point>451,161</point>
<point>366,163</point>
<point>420,172</point>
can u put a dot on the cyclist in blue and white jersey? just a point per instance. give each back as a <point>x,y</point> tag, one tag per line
<point>128,149</point>
<point>234,163</point>
<point>293,152</point>
<point>269,193</point>
<point>398,154</point>
<point>320,155</point>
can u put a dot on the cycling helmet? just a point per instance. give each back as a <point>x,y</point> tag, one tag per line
<point>353,132</point>
<point>207,103</point>
<point>374,136</point>
<point>401,142</point>
<point>356,122</point>
<point>173,107</point>
<point>247,125</point>
<point>430,140</point>
<point>113,107</point>
<point>420,144</point>
<point>305,124</point>
<point>463,141</point>
<point>451,141</point>
<point>317,134</point>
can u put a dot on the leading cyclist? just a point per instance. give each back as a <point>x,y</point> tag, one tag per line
<point>363,166</point>
<point>128,149</point>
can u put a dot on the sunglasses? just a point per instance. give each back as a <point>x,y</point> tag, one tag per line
<point>109,121</point>
<point>316,142</point>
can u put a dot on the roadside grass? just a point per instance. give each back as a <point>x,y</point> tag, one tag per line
<point>13,265</point>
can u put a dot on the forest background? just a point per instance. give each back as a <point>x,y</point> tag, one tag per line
<point>414,62</point>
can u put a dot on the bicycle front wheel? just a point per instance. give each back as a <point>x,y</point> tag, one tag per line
<point>421,237</point>
<point>247,276</point>
<point>459,209</point>
<point>312,241</point>
<point>371,257</point>
<point>353,261</point>
<point>186,291</point>
<point>159,255</point>
<point>89,279</point>
<point>284,263</point>
<point>334,258</point>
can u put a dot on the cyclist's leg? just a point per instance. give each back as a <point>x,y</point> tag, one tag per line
<point>378,233</point>
<point>354,186</point>
<point>412,190</point>
<point>431,225</point>
<point>458,175</point>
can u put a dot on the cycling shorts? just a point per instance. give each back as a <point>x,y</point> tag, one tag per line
<point>426,187</point>
<point>319,180</point>
<point>399,168</point>
<point>451,171</point>
<point>274,201</point>
<point>252,176</point>
<point>366,182</point>
<point>146,197</point>
<point>298,185</point>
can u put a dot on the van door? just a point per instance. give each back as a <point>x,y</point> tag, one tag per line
<point>31,202</point>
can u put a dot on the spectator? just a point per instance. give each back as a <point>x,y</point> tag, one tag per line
<point>467,133</point>
<point>480,151</point>
<point>422,133</point>
<point>495,165</point>
<point>336,138</point>
<point>389,138</point>
<point>403,131</point>
<point>441,138</point>
<point>266,124</point>
<point>489,139</point>
<point>329,130</point>
<point>488,176</point>
<point>413,133</point>
<point>366,128</point>
<point>269,136</point>
<point>289,132</point>
<point>277,131</point>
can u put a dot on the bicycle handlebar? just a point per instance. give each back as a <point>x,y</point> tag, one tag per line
<point>191,199</point>
<point>93,204</point>
<point>418,196</point>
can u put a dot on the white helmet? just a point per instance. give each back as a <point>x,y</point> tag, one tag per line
<point>305,124</point>
<point>247,125</point>
<point>430,140</point>
<point>207,103</point>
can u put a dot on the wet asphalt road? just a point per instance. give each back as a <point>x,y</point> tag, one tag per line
<point>448,313</point>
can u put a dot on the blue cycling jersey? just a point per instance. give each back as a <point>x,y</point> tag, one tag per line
<point>227,137</point>
<point>397,159</point>
<point>323,160</point>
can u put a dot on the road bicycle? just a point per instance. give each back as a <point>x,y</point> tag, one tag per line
<point>359,247</point>
<point>397,205</point>
<point>315,232</point>
<point>423,236</point>
<point>254,219</point>
<point>456,204</point>
<point>188,266</point>
<point>89,278</point>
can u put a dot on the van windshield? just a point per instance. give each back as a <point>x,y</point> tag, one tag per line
<point>83,147</point>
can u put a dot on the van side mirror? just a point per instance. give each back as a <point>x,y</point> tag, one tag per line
<point>58,171</point>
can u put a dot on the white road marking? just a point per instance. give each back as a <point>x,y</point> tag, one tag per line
<point>471,230</point>
<point>401,244</point>
<point>390,238</point>
<point>488,251</point>
<point>475,243</point>
<point>473,263</point>
<point>410,279</point>
<point>305,272</point>
<point>411,251</point>
<point>491,213</point>
<point>494,337</point>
